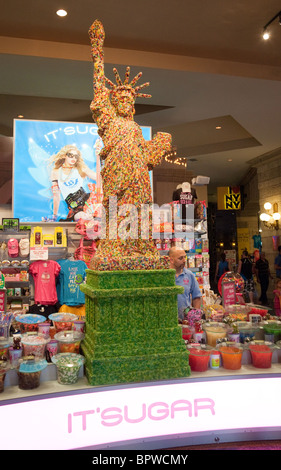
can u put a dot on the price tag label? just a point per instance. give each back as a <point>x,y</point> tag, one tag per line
<point>38,253</point>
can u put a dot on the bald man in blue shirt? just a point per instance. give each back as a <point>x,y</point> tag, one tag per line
<point>185,278</point>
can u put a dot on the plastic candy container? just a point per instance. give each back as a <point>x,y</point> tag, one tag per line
<point>261,354</point>
<point>199,359</point>
<point>246,330</point>
<point>34,345</point>
<point>4,349</point>
<point>69,341</point>
<point>258,311</point>
<point>231,356</point>
<point>29,372</point>
<point>215,360</point>
<point>4,367</point>
<point>68,366</point>
<point>44,329</point>
<point>186,332</point>
<point>272,331</point>
<point>63,321</point>
<point>5,324</point>
<point>14,355</point>
<point>79,327</point>
<point>214,331</point>
<point>194,316</point>
<point>29,322</point>
<point>231,276</point>
<point>51,349</point>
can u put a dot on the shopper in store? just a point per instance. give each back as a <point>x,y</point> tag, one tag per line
<point>277,263</point>
<point>68,174</point>
<point>277,297</point>
<point>246,269</point>
<point>263,274</point>
<point>185,278</point>
<point>222,266</point>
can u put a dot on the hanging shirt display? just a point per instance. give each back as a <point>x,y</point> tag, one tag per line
<point>45,310</point>
<point>71,276</point>
<point>44,273</point>
<point>257,241</point>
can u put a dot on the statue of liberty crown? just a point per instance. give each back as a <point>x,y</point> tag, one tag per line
<point>126,85</point>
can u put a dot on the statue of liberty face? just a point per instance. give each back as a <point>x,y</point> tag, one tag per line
<point>124,101</point>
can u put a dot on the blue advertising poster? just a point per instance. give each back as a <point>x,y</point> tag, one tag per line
<point>56,166</point>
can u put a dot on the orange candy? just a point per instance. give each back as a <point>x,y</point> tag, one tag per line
<point>231,357</point>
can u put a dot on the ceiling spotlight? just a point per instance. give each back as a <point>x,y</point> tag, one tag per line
<point>266,34</point>
<point>218,127</point>
<point>61,12</point>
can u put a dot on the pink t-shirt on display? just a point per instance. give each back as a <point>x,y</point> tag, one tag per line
<point>44,274</point>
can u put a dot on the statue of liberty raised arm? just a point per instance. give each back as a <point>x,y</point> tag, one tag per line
<point>127,159</point>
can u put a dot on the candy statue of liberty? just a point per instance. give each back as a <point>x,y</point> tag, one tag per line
<point>127,157</point>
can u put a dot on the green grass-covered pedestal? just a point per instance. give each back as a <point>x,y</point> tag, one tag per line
<point>132,331</point>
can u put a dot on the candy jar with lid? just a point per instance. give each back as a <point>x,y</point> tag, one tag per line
<point>68,367</point>
<point>69,341</point>
<point>29,371</point>
<point>63,321</point>
<point>34,344</point>
<point>15,351</point>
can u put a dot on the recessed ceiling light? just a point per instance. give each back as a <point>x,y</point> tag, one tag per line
<point>229,160</point>
<point>61,12</point>
<point>266,35</point>
<point>218,127</point>
<point>20,116</point>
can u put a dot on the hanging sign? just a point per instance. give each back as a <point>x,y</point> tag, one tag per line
<point>229,198</point>
<point>39,253</point>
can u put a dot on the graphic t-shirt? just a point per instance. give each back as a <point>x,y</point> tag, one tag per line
<point>71,276</point>
<point>45,310</point>
<point>44,274</point>
<point>70,183</point>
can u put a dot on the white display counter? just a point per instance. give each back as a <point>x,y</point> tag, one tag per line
<point>210,407</point>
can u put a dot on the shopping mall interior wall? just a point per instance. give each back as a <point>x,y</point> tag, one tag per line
<point>269,187</point>
<point>247,218</point>
<point>5,211</point>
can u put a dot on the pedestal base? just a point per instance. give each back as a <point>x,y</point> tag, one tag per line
<point>132,331</point>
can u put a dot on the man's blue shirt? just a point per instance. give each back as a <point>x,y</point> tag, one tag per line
<point>191,290</point>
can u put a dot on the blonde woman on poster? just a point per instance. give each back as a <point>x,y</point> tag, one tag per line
<point>67,177</point>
